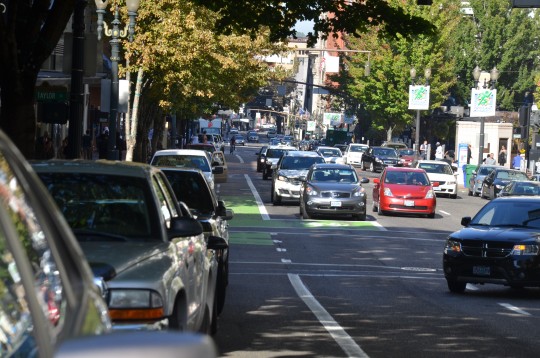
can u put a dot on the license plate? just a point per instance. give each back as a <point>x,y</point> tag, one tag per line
<point>481,270</point>
<point>335,203</point>
<point>408,203</point>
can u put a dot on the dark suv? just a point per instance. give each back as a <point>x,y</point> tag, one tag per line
<point>190,186</point>
<point>273,154</point>
<point>286,177</point>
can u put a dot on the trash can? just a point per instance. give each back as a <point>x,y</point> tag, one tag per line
<point>468,172</point>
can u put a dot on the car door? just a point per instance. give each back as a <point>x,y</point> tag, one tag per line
<point>218,160</point>
<point>186,250</point>
<point>486,185</point>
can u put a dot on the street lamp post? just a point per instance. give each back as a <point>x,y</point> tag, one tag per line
<point>115,34</point>
<point>492,77</point>
<point>427,76</point>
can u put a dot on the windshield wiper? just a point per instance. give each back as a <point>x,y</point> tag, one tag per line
<point>79,233</point>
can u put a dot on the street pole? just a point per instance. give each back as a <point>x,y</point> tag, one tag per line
<point>481,144</point>
<point>76,102</point>
<point>417,135</point>
<point>112,151</point>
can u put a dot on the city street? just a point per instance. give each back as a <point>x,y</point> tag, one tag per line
<point>343,288</point>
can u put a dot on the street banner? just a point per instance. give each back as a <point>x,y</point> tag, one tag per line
<point>310,126</point>
<point>483,102</point>
<point>418,97</point>
<point>329,118</point>
<point>348,119</point>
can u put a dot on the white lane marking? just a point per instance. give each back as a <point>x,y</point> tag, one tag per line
<point>240,159</point>
<point>218,188</point>
<point>444,212</point>
<point>471,287</point>
<point>514,309</point>
<point>280,249</point>
<point>258,200</point>
<point>341,337</point>
<point>286,261</point>
<point>382,228</point>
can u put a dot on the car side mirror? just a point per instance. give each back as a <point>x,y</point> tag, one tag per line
<point>466,220</point>
<point>216,243</point>
<point>365,180</point>
<point>183,227</point>
<point>302,178</point>
<point>217,170</point>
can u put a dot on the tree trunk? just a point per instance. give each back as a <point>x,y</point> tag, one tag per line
<point>131,136</point>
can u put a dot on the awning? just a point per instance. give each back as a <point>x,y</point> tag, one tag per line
<point>244,120</point>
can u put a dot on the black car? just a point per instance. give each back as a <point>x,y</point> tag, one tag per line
<point>498,245</point>
<point>377,158</point>
<point>497,179</point>
<point>261,157</point>
<point>521,187</point>
<point>191,187</point>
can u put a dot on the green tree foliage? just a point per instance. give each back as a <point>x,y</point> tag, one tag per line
<point>385,91</point>
<point>497,36</point>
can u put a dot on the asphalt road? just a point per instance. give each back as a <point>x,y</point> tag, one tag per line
<point>341,288</point>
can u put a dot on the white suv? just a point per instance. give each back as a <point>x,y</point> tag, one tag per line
<point>353,153</point>
<point>442,173</point>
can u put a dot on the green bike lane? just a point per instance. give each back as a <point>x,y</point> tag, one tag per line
<point>249,228</point>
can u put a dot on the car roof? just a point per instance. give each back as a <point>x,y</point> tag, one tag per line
<point>182,151</point>
<point>282,146</point>
<point>301,153</point>
<point>332,166</point>
<point>529,198</point>
<point>433,161</point>
<point>404,169</point>
<point>101,166</point>
<point>358,145</point>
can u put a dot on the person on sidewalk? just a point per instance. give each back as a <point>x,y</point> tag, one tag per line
<point>502,156</point>
<point>516,162</point>
<point>490,159</point>
<point>439,152</point>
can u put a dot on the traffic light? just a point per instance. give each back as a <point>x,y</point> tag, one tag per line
<point>523,115</point>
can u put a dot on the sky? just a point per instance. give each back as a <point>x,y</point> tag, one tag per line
<point>304,26</point>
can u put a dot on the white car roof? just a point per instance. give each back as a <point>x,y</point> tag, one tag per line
<point>180,152</point>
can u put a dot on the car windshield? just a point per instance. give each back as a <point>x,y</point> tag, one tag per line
<point>484,171</point>
<point>406,152</point>
<point>509,213</point>
<point>511,175</point>
<point>437,168</point>
<point>182,161</point>
<point>330,152</point>
<point>191,188</point>
<point>357,148</point>
<point>104,207</point>
<point>387,152</point>
<point>299,163</point>
<point>334,175</point>
<point>406,178</point>
<point>275,153</point>
<point>525,188</point>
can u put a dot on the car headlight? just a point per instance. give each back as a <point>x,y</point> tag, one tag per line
<point>452,246</point>
<point>498,186</point>
<point>430,194</point>
<point>387,192</point>
<point>311,191</point>
<point>529,249</point>
<point>378,160</point>
<point>135,305</point>
<point>359,192</point>
<point>282,178</point>
<point>134,299</point>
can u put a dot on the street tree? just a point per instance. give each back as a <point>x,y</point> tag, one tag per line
<point>385,92</point>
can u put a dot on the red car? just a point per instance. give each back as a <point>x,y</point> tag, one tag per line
<point>404,190</point>
<point>407,156</point>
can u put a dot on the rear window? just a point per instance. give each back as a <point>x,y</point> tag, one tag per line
<point>436,168</point>
<point>511,175</point>
<point>389,152</point>
<point>182,161</point>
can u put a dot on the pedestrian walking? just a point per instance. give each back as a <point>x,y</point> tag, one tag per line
<point>469,154</point>
<point>87,145</point>
<point>502,156</point>
<point>439,152</point>
<point>423,150</point>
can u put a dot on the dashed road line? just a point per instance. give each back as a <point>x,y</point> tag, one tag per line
<point>341,337</point>
<point>260,204</point>
<point>444,212</point>
<point>515,309</point>
<point>240,159</point>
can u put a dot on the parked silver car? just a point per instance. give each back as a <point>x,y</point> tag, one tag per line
<point>477,178</point>
<point>51,305</point>
<point>159,269</point>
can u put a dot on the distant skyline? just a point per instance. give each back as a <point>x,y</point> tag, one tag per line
<point>304,26</point>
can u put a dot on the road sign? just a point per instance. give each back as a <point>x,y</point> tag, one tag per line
<point>419,97</point>
<point>483,102</point>
<point>51,94</point>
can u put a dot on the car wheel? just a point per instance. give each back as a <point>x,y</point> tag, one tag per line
<point>455,286</point>
<point>276,199</point>
<point>475,193</point>
<point>372,167</point>
<point>265,175</point>
<point>305,214</point>
<point>221,284</point>
<point>360,217</point>
<point>177,320</point>
<point>213,323</point>
<point>453,196</point>
<point>431,216</point>
<point>470,192</point>
<point>381,212</point>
